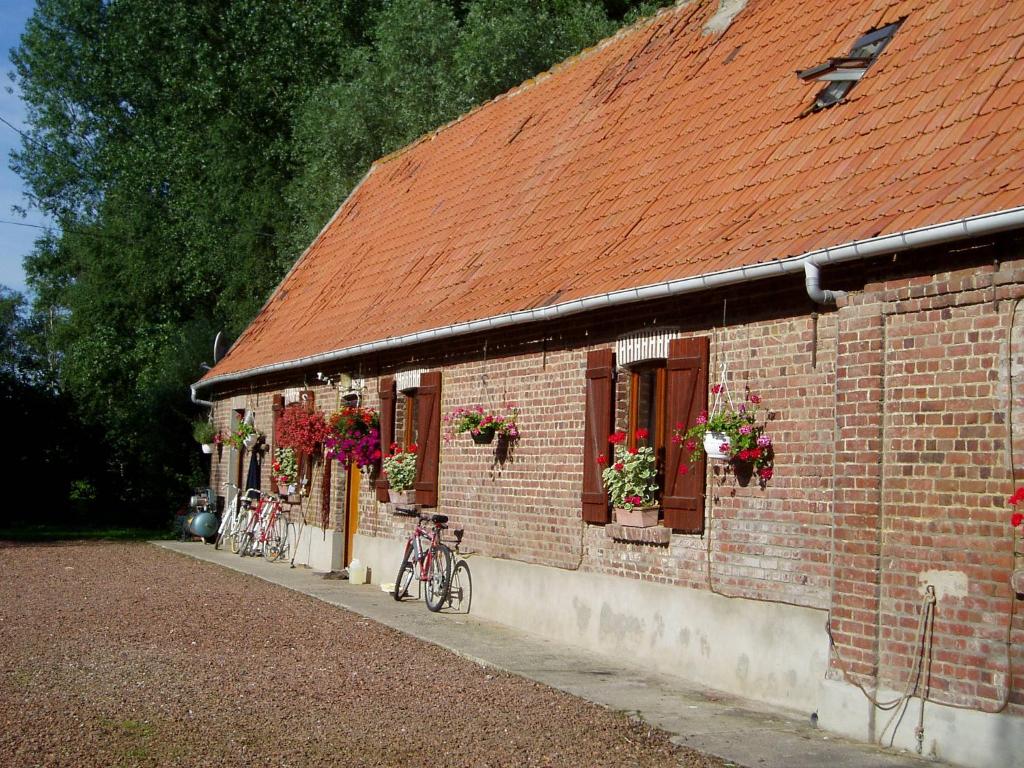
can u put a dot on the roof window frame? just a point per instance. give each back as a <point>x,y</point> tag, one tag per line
<point>842,73</point>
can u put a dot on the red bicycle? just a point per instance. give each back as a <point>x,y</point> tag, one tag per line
<point>428,559</point>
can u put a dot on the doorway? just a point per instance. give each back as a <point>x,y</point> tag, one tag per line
<point>352,480</point>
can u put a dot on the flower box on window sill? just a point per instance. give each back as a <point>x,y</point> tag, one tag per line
<point>637,517</point>
<point>404,498</point>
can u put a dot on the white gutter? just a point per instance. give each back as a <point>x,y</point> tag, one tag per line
<point>961,229</point>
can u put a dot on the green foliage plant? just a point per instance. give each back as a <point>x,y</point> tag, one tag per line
<point>203,431</point>
<point>631,479</point>
<point>400,467</point>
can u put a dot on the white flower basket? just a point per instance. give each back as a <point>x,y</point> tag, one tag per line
<point>250,441</point>
<point>207,447</point>
<point>713,445</point>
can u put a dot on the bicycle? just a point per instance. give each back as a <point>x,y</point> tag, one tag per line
<point>233,520</point>
<point>460,589</point>
<point>425,552</point>
<point>253,532</point>
<point>274,536</point>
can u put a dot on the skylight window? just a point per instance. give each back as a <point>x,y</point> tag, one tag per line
<point>842,73</point>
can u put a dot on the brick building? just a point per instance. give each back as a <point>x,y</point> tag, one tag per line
<point>660,214</point>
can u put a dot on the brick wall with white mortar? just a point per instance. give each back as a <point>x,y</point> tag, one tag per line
<point>892,419</point>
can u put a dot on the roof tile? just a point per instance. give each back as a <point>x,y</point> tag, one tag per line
<point>661,154</point>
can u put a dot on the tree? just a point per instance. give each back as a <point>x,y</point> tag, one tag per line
<point>189,150</point>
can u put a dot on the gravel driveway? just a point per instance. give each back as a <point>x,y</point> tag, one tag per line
<point>118,654</point>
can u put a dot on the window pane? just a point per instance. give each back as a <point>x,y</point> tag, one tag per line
<point>646,406</point>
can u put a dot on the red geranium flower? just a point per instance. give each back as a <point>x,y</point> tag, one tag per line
<point>684,469</point>
<point>1017,518</point>
<point>602,459</point>
<point>619,466</point>
<point>617,438</point>
<point>641,434</point>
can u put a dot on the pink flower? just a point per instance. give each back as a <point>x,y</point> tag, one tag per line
<point>764,441</point>
<point>703,418</point>
<point>745,429</point>
<point>755,399</point>
<point>691,444</point>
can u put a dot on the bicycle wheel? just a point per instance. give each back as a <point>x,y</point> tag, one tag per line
<point>439,577</point>
<point>277,533</point>
<point>237,530</point>
<point>404,577</point>
<point>460,592</point>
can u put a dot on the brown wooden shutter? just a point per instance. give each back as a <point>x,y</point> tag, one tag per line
<point>428,404</point>
<point>686,397</point>
<point>307,400</point>
<point>276,409</point>
<point>597,428</point>
<point>387,430</point>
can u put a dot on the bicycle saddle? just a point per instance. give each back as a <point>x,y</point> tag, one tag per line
<point>439,519</point>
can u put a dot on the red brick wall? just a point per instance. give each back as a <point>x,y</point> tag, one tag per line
<point>892,424</point>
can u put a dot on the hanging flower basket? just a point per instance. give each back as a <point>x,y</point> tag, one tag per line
<point>636,517</point>
<point>483,437</point>
<point>482,425</point>
<point>713,442</point>
<point>250,441</point>
<point>731,433</point>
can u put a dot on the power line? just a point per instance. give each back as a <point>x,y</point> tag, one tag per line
<point>38,143</point>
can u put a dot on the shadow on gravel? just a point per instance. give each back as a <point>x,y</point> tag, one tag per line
<point>41,534</point>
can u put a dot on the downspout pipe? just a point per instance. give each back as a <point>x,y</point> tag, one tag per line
<point>857,250</point>
<point>195,396</point>
<point>812,283</point>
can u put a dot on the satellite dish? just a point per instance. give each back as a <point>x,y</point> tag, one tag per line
<point>220,346</point>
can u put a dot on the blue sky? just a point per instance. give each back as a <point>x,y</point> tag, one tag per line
<point>15,241</point>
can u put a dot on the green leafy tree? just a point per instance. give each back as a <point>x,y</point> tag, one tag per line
<point>190,149</point>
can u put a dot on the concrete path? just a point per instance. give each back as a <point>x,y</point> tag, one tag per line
<point>740,732</point>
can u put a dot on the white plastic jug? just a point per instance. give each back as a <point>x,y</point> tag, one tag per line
<point>356,572</point>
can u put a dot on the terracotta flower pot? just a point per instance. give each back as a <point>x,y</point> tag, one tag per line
<point>637,517</point>
<point>402,497</point>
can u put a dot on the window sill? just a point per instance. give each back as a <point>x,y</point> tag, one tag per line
<point>655,534</point>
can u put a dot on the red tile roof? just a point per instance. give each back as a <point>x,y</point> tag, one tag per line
<point>661,154</point>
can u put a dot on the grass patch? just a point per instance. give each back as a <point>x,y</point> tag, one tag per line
<point>70,533</point>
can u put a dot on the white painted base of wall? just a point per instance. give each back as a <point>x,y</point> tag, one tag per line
<point>762,651</point>
<point>319,551</point>
<point>960,736</point>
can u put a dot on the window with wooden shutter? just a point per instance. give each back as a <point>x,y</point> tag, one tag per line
<point>428,407</point>
<point>686,395</point>
<point>304,461</point>
<point>387,430</point>
<point>597,428</point>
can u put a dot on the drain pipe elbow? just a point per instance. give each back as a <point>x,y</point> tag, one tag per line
<point>812,282</point>
<point>196,400</point>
